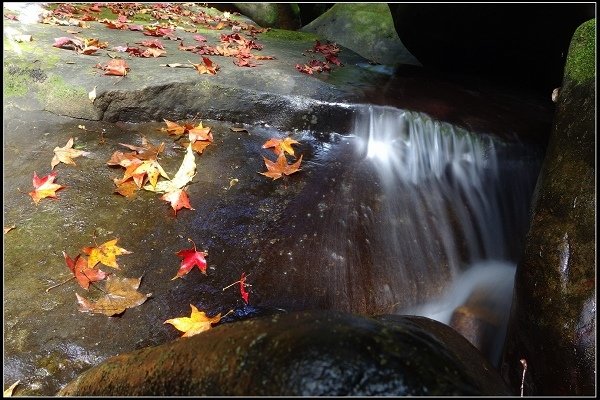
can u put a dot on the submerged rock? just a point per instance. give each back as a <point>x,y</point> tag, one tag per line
<point>553,319</point>
<point>301,354</point>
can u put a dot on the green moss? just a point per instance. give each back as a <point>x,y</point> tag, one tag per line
<point>56,88</point>
<point>581,62</point>
<point>284,34</point>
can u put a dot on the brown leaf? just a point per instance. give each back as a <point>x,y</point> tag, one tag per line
<point>121,294</point>
<point>279,168</point>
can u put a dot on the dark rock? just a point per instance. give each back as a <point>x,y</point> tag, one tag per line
<point>272,15</point>
<point>553,320</point>
<point>367,29</point>
<point>302,354</point>
<point>516,44</point>
<point>310,11</point>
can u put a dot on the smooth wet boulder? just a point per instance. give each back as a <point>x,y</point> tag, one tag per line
<point>553,320</point>
<point>302,354</point>
<point>522,45</point>
<point>272,15</point>
<point>367,29</point>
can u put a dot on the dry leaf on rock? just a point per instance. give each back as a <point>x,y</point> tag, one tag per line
<point>196,323</point>
<point>66,154</point>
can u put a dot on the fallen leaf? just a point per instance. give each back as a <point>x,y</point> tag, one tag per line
<point>243,291</point>
<point>66,154</point>
<point>177,65</point>
<point>190,258</point>
<point>9,392</point>
<point>118,67</point>
<point>8,229</point>
<point>140,170</point>
<point>83,273</point>
<point>127,188</point>
<point>197,322</point>
<point>206,67</point>
<point>281,146</point>
<point>234,129</point>
<point>121,294</point>
<point>277,169</point>
<point>81,127</point>
<point>22,38</point>
<point>199,145</point>
<point>92,94</point>
<point>178,199</point>
<point>200,133</point>
<point>105,253</point>
<point>185,174</point>
<point>44,187</point>
<point>174,128</point>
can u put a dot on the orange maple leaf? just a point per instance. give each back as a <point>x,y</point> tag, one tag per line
<point>116,67</point>
<point>281,146</point>
<point>279,168</point>
<point>196,323</point>
<point>178,199</point>
<point>206,67</point>
<point>44,187</point>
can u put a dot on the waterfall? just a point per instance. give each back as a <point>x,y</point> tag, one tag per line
<point>455,206</point>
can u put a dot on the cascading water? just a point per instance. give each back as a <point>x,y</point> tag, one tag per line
<point>450,194</point>
<point>392,215</point>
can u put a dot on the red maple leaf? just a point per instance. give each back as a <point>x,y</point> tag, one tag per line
<point>83,273</point>
<point>243,291</point>
<point>190,259</point>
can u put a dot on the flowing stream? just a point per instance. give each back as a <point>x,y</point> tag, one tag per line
<point>455,206</point>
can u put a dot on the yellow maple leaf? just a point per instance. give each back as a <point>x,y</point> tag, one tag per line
<point>105,253</point>
<point>195,323</point>
<point>66,154</point>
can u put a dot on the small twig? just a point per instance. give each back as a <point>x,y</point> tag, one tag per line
<point>239,281</point>
<point>58,284</point>
<point>524,364</point>
<point>228,312</point>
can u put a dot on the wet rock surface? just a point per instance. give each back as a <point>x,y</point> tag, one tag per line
<point>47,341</point>
<point>553,319</point>
<point>316,353</point>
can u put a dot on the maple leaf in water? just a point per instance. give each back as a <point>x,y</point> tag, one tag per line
<point>178,199</point>
<point>191,258</point>
<point>279,168</point>
<point>281,146</point>
<point>44,187</point>
<point>106,254</point>
<point>83,273</point>
<point>196,323</point>
<point>66,154</point>
<point>184,175</point>
<point>121,294</point>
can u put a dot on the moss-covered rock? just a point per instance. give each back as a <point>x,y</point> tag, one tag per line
<point>553,319</point>
<point>301,354</point>
<point>272,15</point>
<point>366,28</point>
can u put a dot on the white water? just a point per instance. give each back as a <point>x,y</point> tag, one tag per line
<point>451,193</point>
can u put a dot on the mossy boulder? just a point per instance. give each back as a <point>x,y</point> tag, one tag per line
<point>553,320</point>
<point>314,353</point>
<point>272,15</point>
<point>367,29</point>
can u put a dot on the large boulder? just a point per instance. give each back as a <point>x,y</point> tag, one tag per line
<point>272,15</point>
<point>523,45</point>
<point>366,28</point>
<point>553,320</point>
<point>302,354</point>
